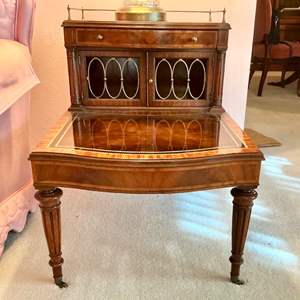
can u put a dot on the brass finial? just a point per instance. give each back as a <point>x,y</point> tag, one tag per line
<point>69,12</point>
<point>224,15</point>
<point>82,13</point>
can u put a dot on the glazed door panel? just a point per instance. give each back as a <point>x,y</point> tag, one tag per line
<point>180,79</point>
<point>113,78</point>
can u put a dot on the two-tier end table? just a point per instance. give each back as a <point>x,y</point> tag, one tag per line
<point>146,117</point>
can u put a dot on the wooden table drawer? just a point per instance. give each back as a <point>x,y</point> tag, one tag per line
<point>146,38</point>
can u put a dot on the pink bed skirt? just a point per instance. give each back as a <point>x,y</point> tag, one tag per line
<point>14,211</point>
<point>16,190</point>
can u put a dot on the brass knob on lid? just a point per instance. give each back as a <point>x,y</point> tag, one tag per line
<point>195,39</point>
<point>100,37</point>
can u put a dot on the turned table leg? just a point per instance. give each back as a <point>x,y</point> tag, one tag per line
<point>242,205</point>
<point>50,208</point>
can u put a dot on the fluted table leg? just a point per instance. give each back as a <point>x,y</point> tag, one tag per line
<point>242,205</point>
<point>50,208</point>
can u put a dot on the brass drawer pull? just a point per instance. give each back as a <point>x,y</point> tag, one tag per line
<point>100,37</point>
<point>195,39</point>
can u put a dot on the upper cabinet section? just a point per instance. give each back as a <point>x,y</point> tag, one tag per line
<point>162,64</point>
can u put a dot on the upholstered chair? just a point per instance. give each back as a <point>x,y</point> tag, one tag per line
<point>17,78</point>
<point>269,53</point>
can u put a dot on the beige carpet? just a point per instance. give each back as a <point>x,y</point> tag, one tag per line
<point>174,246</point>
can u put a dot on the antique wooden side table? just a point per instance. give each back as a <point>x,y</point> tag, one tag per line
<point>146,117</point>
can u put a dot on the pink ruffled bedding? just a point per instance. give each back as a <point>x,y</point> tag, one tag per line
<point>16,190</point>
<point>17,78</point>
<point>14,210</point>
<point>16,73</point>
<point>7,19</point>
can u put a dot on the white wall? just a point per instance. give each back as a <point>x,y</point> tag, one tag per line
<point>51,98</point>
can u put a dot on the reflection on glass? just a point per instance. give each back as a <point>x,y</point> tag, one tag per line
<point>142,133</point>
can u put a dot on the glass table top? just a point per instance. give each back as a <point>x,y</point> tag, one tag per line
<point>145,133</point>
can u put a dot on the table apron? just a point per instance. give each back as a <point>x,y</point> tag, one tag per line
<point>149,179</point>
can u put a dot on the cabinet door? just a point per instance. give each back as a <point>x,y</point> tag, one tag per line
<point>180,79</point>
<point>113,78</point>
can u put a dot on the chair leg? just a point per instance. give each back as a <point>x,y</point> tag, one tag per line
<point>262,82</point>
<point>252,71</point>
<point>283,78</point>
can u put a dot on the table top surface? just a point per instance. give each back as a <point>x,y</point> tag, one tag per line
<point>146,135</point>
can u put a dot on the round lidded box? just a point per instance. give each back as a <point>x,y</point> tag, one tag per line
<point>141,10</point>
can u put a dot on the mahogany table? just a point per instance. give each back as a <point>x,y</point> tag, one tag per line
<point>146,151</point>
<point>146,116</point>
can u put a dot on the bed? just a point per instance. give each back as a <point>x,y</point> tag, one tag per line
<point>17,78</point>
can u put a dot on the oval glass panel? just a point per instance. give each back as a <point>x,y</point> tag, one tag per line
<point>131,83</point>
<point>163,82</point>
<point>96,74</point>
<point>197,79</point>
<point>115,135</point>
<point>178,136</point>
<point>114,75</point>
<point>181,75</point>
